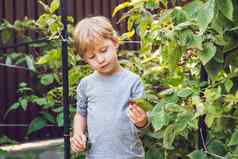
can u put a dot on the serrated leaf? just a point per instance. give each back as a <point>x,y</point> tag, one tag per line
<point>127,35</point>
<point>226,7</point>
<point>23,103</point>
<point>228,85</point>
<point>48,117</point>
<point>169,136</point>
<point>12,107</point>
<point>154,153</point>
<point>54,5</point>
<point>184,92</point>
<point>197,154</point>
<point>234,139</point>
<point>210,119</point>
<point>166,92</point>
<point>159,119</point>
<point>205,15</point>
<point>217,147</point>
<point>30,63</point>
<point>42,60</point>
<point>36,124</point>
<point>47,79</point>
<point>182,120</point>
<point>60,119</point>
<point>120,7</point>
<point>193,7</point>
<point>209,51</point>
<point>40,101</point>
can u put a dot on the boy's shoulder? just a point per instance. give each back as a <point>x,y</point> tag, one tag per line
<point>87,78</point>
<point>132,74</point>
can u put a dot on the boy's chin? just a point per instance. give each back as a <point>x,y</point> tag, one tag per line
<point>106,71</point>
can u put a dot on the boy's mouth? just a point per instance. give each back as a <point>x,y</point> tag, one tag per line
<point>104,66</point>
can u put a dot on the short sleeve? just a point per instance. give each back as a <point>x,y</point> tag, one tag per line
<point>137,89</point>
<point>81,99</point>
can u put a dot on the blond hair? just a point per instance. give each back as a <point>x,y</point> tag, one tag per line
<point>89,31</point>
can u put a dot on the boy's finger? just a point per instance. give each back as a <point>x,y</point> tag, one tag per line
<point>84,140</point>
<point>132,116</point>
<point>77,142</point>
<point>139,110</point>
<point>136,112</point>
<point>132,119</point>
<point>74,148</point>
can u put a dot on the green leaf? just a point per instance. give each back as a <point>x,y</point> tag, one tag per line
<point>182,120</point>
<point>198,103</point>
<point>12,108</point>
<point>60,119</point>
<point>154,153</point>
<point>30,63</point>
<point>6,140</point>
<point>127,35</point>
<point>159,118</point>
<point>193,7</point>
<point>23,84</point>
<point>47,79</point>
<point>205,15</point>
<point>217,147</point>
<point>213,68</point>
<point>23,103</point>
<point>40,101</point>
<point>42,60</point>
<point>48,117</point>
<point>185,92</point>
<point>210,118</point>
<point>36,124</point>
<point>228,85</point>
<point>209,51</point>
<point>234,139</point>
<point>166,92</point>
<point>197,154</point>
<point>120,7</point>
<point>151,4</point>
<point>169,136</point>
<point>54,5</point>
<point>226,7</point>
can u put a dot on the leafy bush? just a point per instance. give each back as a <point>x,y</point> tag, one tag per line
<point>175,45</point>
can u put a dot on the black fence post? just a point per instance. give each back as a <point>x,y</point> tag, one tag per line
<point>201,123</point>
<point>65,80</point>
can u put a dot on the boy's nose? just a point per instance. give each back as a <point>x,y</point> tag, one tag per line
<point>100,58</point>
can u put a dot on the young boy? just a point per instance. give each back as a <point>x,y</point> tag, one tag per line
<point>102,97</point>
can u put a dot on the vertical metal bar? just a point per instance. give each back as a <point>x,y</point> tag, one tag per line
<point>63,6</point>
<point>201,123</point>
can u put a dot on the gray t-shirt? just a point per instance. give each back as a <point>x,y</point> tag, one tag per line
<point>103,100</point>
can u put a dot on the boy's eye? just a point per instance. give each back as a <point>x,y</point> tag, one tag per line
<point>91,57</point>
<point>104,49</point>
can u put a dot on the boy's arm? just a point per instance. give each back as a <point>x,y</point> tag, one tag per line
<point>78,140</point>
<point>80,124</point>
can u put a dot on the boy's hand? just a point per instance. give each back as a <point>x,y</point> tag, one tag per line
<point>137,115</point>
<point>78,142</point>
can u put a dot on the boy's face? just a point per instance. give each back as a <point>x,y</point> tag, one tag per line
<point>103,58</point>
